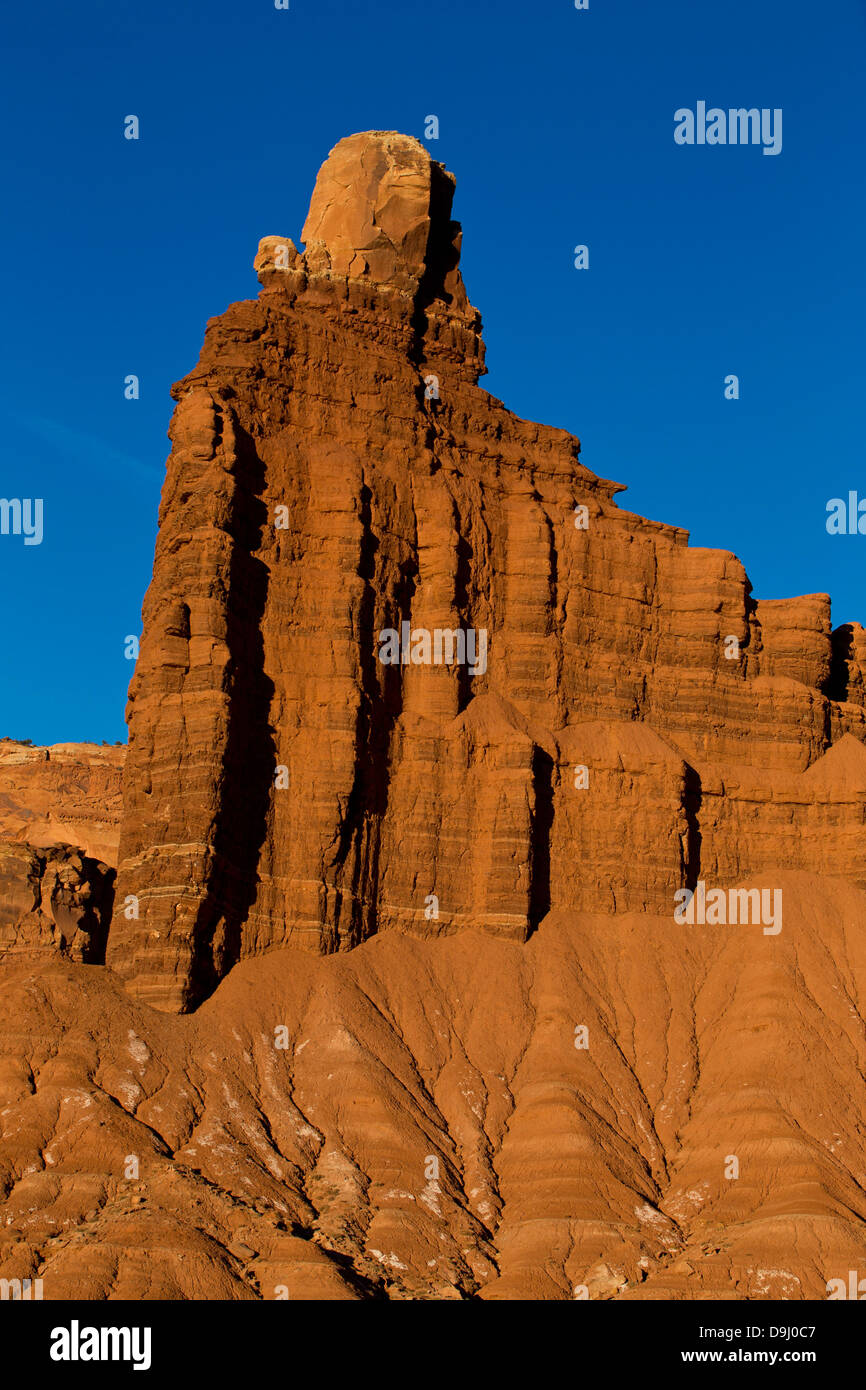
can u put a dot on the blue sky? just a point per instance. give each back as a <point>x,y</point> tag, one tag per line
<point>704,261</point>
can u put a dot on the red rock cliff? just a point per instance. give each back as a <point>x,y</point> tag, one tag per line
<point>337,473</point>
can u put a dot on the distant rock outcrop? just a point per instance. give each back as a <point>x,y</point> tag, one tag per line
<point>59,827</point>
<point>626,716</point>
<point>53,902</point>
<point>67,794</point>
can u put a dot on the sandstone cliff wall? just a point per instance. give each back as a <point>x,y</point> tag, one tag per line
<point>337,472</point>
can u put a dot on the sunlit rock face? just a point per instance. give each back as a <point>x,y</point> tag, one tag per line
<point>406,664</point>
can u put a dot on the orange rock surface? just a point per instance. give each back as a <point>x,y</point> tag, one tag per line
<point>59,829</point>
<point>413,1119</point>
<point>68,794</point>
<point>533,1075</point>
<point>337,472</point>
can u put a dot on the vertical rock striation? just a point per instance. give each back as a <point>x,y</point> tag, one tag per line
<point>337,473</point>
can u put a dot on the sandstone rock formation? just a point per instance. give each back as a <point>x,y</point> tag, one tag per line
<point>53,901</point>
<point>530,1077</point>
<point>68,794</point>
<point>337,472</point>
<point>59,828</point>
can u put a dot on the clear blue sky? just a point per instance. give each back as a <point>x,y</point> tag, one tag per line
<point>559,126</point>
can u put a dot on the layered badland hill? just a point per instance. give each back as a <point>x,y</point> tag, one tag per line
<point>489,906</point>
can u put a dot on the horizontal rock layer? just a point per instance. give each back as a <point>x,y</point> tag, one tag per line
<point>337,473</point>
<point>68,794</point>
